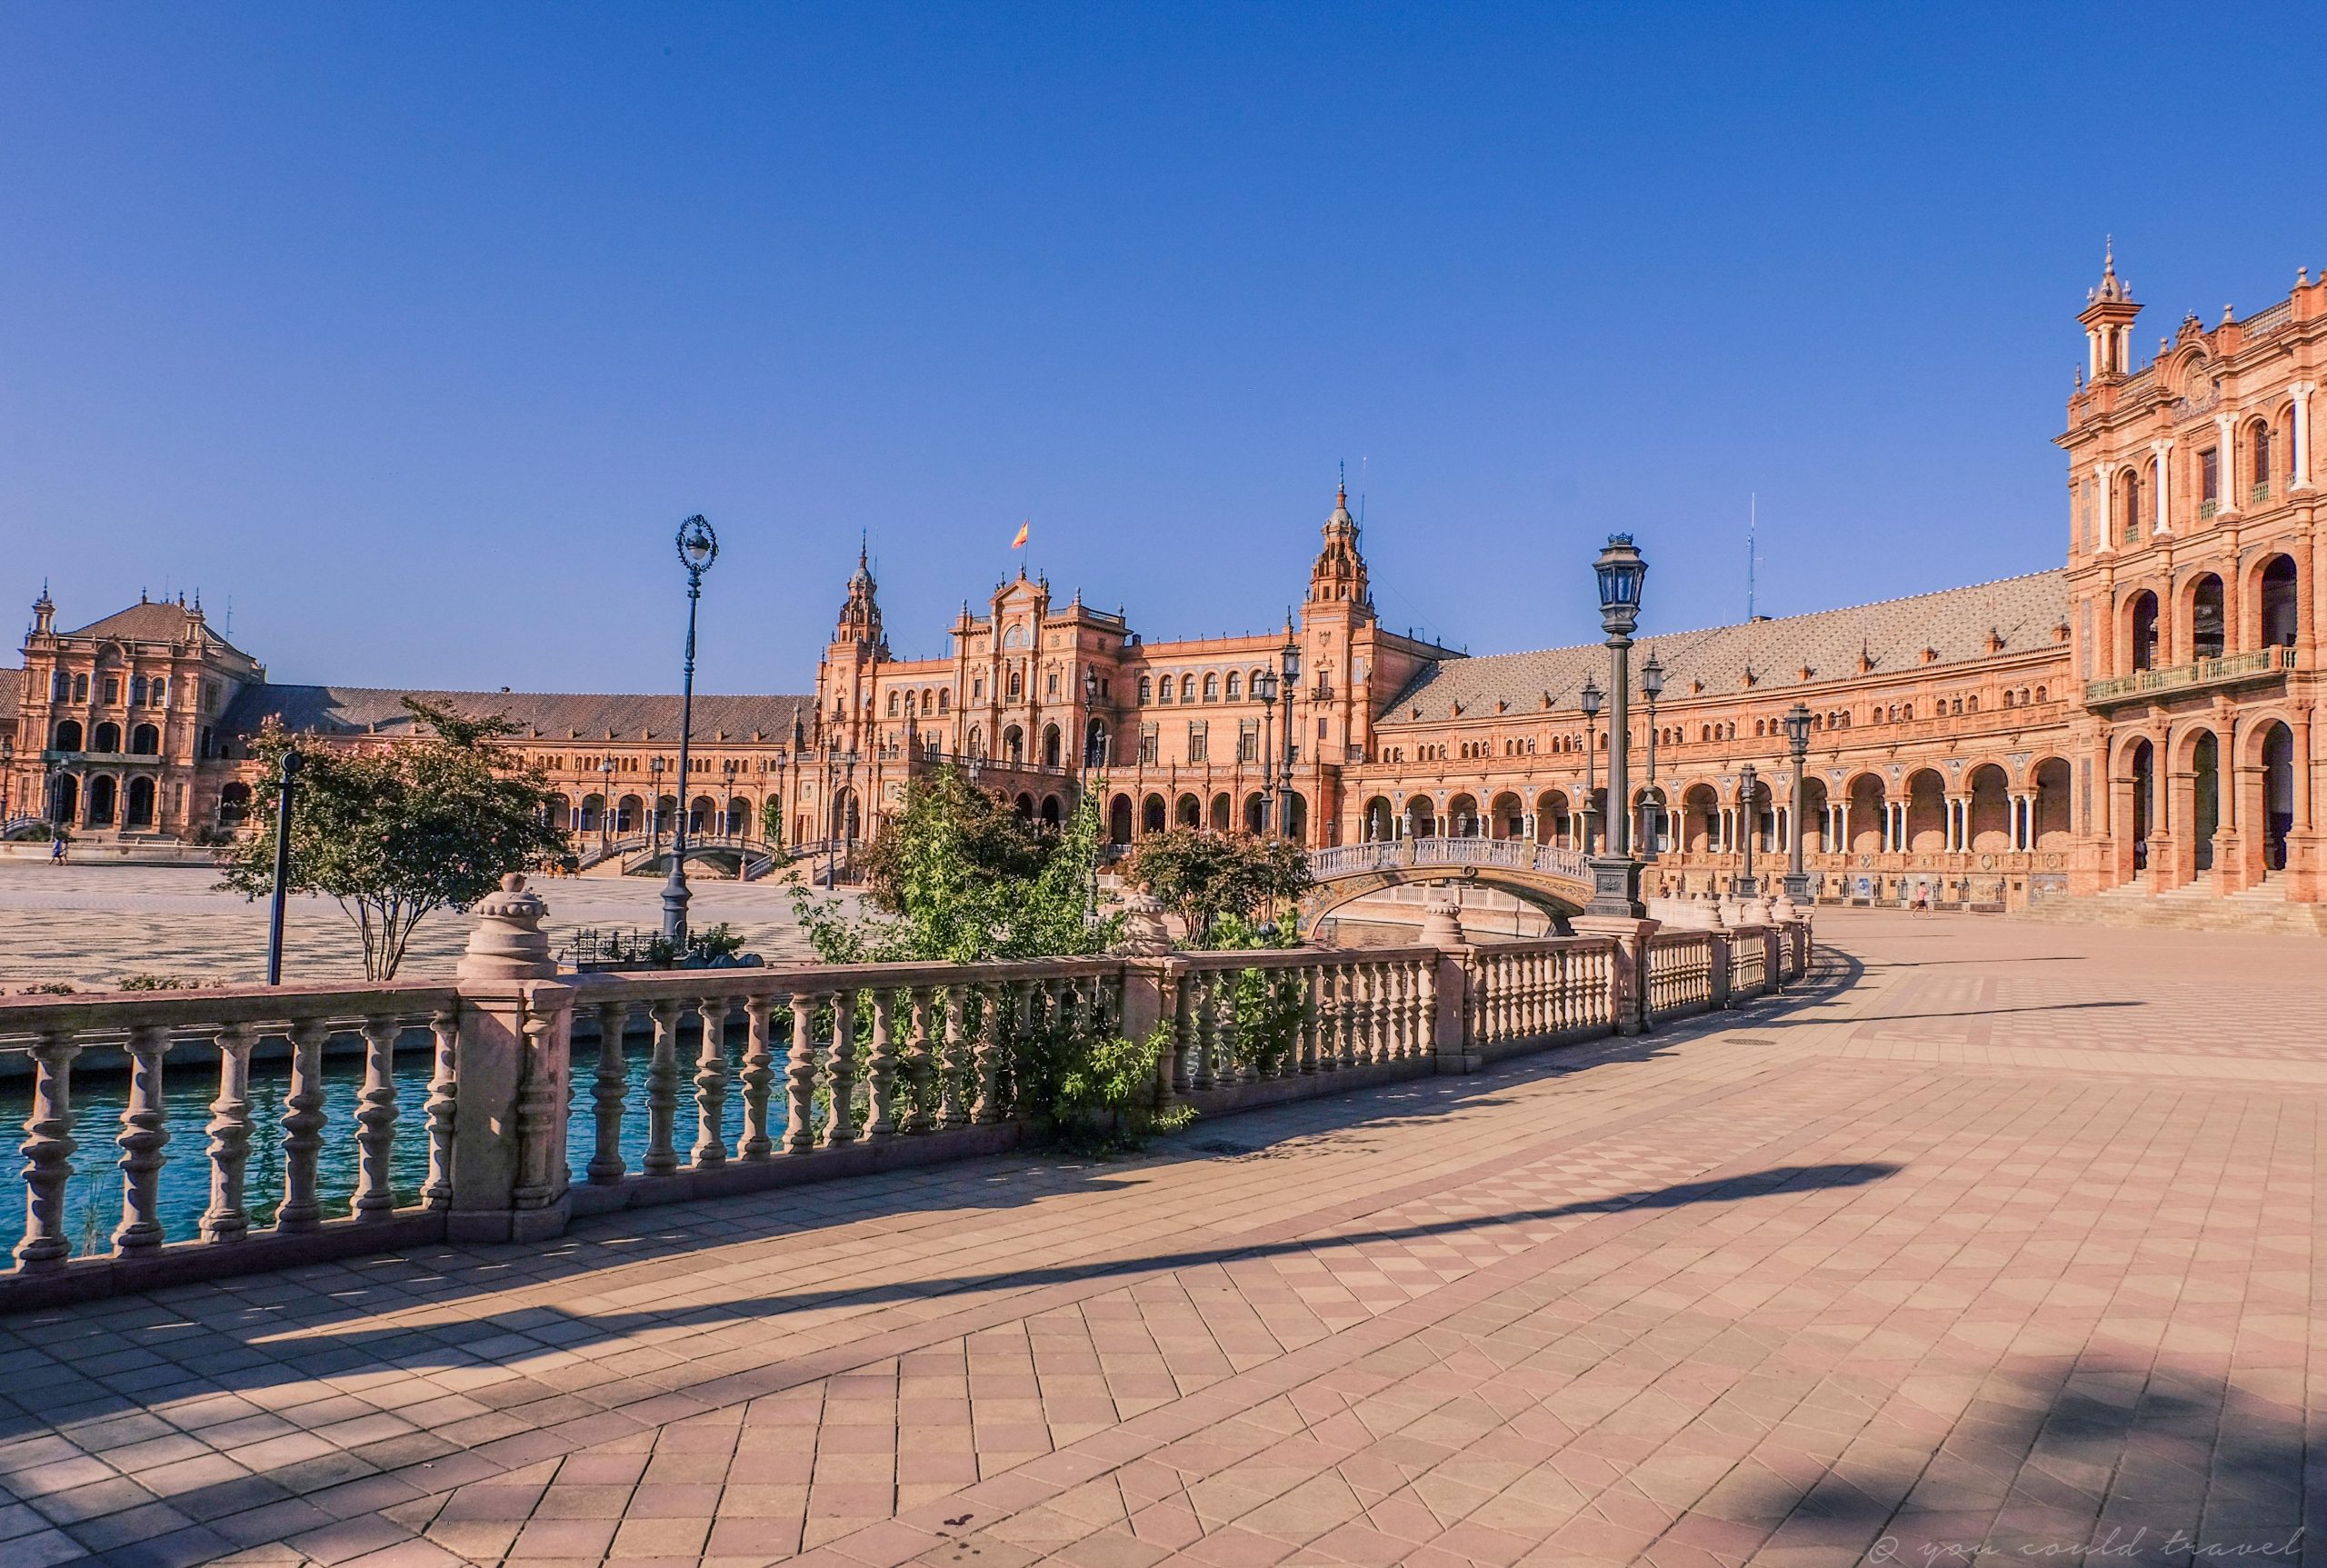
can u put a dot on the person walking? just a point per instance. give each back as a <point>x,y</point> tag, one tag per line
<point>56,850</point>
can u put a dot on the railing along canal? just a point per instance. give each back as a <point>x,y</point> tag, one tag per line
<point>251,1129</point>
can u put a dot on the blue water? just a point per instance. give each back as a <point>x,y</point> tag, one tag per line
<point>190,1081</point>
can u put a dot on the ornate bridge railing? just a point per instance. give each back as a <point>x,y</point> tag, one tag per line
<point>180,1136</point>
<point>1387,854</point>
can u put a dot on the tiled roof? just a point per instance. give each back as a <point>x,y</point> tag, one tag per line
<point>552,716</point>
<point>12,692</point>
<point>1955,623</point>
<point>151,620</point>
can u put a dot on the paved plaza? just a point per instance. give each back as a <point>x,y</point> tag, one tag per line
<point>90,926</point>
<point>1992,1238</point>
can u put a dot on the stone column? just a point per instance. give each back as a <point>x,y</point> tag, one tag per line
<point>2302,479</point>
<point>2164,448</point>
<point>512,1062</point>
<point>2226,464</point>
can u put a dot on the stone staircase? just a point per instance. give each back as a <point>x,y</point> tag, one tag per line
<point>2196,907</point>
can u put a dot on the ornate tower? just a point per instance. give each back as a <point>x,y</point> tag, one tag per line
<point>845,695</point>
<point>1339,576</point>
<point>2108,317</point>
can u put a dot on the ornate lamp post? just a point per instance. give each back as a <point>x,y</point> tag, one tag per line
<point>1264,688</point>
<point>698,547</point>
<point>1095,743</point>
<point>1289,661</point>
<point>7,777</point>
<point>1615,875</point>
<point>1797,733</point>
<point>1652,686</point>
<point>1589,698</point>
<point>1749,789</point>
<point>605,803</point>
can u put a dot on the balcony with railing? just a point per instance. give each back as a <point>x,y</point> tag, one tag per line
<point>2202,674</point>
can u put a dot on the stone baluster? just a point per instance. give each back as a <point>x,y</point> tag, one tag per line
<point>1382,1010</point>
<point>375,1122</point>
<point>608,1091</point>
<point>48,1149</point>
<point>881,1069</point>
<point>1181,1007</point>
<point>541,1104</point>
<point>1413,1021</point>
<point>441,1106</point>
<point>1307,1030</point>
<point>711,1085</point>
<point>1203,1073</point>
<point>840,1073</point>
<point>1426,1003</point>
<point>800,1079</point>
<point>1350,1033</point>
<point>663,1093</point>
<point>953,1070</point>
<point>226,1219</point>
<point>302,1129</point>
<point>920,1066</point>
<point>1235,1065</point>
<point>994,1012</point>
<point>757,1078</point>
<point>144,1129</point>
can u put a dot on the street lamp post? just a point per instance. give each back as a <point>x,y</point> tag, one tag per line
<point>1289,661</point>
<point>605,804</point>
<point>1615,875</point>
<point>1797,733</point>
<point>1749,787</point>
<point>1590,697</point>
<point>698,547</point>
<point>1652,686</point>
<point>281,870</point>
<point>1264,688</point>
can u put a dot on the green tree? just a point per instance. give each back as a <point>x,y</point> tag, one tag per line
<point>1202,877</point>
<point>396,832</point>
<point>955,876</point>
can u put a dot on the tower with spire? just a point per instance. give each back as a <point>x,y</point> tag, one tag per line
<point>2108,317</point>
<point>1339,576</point>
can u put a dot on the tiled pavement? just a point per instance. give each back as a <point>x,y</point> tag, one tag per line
<point>1999,1237</point>
<point>89,926</point>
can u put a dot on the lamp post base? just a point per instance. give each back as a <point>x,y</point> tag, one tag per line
<point>1615,887</point>
<point>1797,887</point>
<point>1747,886</point>
<point>675,899</point>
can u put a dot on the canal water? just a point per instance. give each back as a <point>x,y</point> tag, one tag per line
<point>190,1081</point>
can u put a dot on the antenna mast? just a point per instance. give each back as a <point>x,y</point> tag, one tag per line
<point>1753,520</point>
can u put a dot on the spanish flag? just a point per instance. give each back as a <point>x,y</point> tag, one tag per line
<point>1018,540</point>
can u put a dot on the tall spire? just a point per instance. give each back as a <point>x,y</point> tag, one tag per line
<point>860,613</point>
<point>1340,572</point>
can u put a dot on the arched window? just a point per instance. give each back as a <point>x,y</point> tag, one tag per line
<point>2258,442</point>
<point>68,735</point>
<point>893,699</point>
<point>136,691</point>
<point>105,737</point>
<point>1017,683</point>
<point>144,741</point>
<point>1163,693</point>
<point>944,699</point>
<point>1211,688</point>
<point>80,688</point>
<point>977,740</point>
<point>1187,688</point>
<point>1234,680</point>
<point>2206,630</point>
<point>1147,690</point>
<point>2278,603</point>
<point>2144,631</point>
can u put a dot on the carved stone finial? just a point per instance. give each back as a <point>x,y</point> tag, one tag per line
<point>508,942</point>
<point>1145,933</point>
<point>1442,922</point>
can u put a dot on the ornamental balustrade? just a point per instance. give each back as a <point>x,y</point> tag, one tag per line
<point>2201,673</point>
<point>1386,855</point>
<point>180,1136</point>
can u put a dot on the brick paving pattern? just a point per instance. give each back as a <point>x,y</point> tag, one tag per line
<point>1994,1238</point>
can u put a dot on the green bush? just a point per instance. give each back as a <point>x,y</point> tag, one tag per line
<point>156,983</point>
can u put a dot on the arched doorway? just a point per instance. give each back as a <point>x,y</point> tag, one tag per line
<point>65,799</point>
<point>845,821</point>
<point>700,812</point>
<point>1014,745</point>
<point>1422,817</point>
<point>557,809</point>
<point>1053,814</point>
<point>1379,820</point>
<point>1865,831</point>
<point>144,741</point>
<point>2143,772</point>
<point>1296,816</point>
<point>1119,820</point>
<point>1094,744</point>
<point>2206,629</point>
<point>1551,813</point>
<point>739,817</point>
<point>1815,816</point>
<point>105,738</point>
<point>1050,745</point>
<point>1926,813</point>
<point>1700,820</point>
<point>68,735</point>
<point>1463,817</point>
<point>1187,812</point>
<point>2049,829</point>
<point>1152,814</point>
<point>1989,829</point>
<point>1506,818</point>
<point>1025,806</point>
<point>1223,813</point>
<point>138,812</point>
<point>104,797</point>
<point>2280,602</point>
<point>1256,814</point>
<point>2277,794</point>
<point>2143,624</point>
<point>594,814</point>
<point>627,812</point>
<point>2205,798</point>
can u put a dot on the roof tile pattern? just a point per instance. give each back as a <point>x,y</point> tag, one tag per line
<point>1955,624</point>
<point>551,716</point>
<point>152,620</point>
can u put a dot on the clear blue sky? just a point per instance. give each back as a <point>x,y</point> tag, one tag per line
<point>417,329</point>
